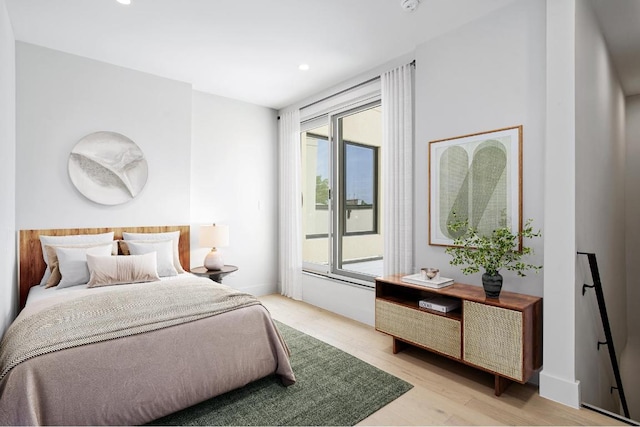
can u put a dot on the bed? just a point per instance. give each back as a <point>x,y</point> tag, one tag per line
<point>115,366</point>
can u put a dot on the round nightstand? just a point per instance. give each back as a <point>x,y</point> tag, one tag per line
<point>215,275</point>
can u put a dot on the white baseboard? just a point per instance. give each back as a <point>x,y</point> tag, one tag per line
<point>257,290</point>
<point>560,390</point>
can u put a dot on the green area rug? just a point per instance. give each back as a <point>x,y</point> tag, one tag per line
<point>332,388</point>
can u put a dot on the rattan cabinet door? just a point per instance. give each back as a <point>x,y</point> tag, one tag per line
<point>428,330</point>
<point>492,339</point>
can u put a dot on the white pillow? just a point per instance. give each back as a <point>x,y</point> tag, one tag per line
<point>120,270</point>
<point>171,235</point>
<point>69,240</point>
<point>54,265</point>
<point>164,254</point>
<point>73,263</point>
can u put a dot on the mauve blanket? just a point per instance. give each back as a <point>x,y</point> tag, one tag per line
<point>182,342</point>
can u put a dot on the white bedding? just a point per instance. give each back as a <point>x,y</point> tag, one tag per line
<point>39,293</point>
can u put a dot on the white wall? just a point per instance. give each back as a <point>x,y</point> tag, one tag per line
<point>557,379</point>
<point>489,74</point>
<point>234,181</point>
<point>600,207</point>
<point>63,97</point>
<point>353,301</point>
<point>8,270</point>
<point>230,160</point>
<point>630,355</point>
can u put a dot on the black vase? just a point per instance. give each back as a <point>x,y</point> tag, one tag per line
<point>492,284</point>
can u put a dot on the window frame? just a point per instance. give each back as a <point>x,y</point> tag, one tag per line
<point>376,188</point>
<point>328,139</point>
<point>335,268</point>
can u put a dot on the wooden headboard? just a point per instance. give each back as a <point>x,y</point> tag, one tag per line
<point>32,266</point>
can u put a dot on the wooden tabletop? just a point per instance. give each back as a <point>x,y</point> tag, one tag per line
<point>507,299</point>
<point>226,269</point>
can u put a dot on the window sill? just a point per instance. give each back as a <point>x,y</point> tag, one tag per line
<point>342,279</point>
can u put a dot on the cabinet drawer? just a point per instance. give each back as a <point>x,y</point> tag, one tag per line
<point>435,332</point>
<point>493,339</point>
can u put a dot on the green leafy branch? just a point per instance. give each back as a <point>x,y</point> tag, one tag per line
<point>491,252</point>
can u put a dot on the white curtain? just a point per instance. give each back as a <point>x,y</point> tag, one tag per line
<point>397,124</point>
<point>290,230</point>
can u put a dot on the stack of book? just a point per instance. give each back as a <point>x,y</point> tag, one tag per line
<point>441,304</point>
<point>436,282</point>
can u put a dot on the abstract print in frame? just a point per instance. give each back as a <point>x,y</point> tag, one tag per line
<point>478,178</point>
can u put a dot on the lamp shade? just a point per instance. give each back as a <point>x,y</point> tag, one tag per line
<point>214,236</point>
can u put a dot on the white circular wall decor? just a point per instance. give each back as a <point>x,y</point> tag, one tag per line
<point>108,168</point>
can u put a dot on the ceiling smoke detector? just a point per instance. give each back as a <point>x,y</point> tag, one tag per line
<point>409,5</point>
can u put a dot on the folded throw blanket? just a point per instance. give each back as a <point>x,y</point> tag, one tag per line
<point>105,316</point>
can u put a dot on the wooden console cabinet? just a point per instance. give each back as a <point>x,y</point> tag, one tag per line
<point>501,336</point>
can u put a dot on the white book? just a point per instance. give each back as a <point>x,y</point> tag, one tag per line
<point>441,304</point>
<point>416,279</point>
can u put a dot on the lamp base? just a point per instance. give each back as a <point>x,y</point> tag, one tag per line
<point>213,260</point>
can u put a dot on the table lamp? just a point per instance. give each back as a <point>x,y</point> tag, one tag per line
<point>214,236</point>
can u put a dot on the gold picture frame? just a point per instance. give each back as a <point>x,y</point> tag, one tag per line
<point>477,177</point>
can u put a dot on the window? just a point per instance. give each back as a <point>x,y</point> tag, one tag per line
<point>342,231</point>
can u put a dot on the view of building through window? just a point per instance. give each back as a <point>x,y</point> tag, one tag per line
<point>360,189</point>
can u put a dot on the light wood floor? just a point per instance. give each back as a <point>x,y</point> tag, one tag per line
<point>445,392</point>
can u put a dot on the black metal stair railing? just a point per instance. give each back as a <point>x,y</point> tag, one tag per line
<point>597,285</point>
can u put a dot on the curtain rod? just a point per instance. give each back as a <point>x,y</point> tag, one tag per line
<point>340,92</point>
<point>413,63</point>
<point>348,89</point>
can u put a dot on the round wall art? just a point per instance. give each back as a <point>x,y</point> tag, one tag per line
<point>108,168</point>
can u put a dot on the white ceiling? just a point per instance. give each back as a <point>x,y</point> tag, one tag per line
<point>250,49</point>
<point>243,49</point>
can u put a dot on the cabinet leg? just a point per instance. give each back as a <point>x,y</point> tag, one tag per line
<point>501,384</point>
<point>398,346</point>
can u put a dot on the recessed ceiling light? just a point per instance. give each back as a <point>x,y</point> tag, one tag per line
<point>303,67</point>
<point>124,1</point>
<point>409,5</point>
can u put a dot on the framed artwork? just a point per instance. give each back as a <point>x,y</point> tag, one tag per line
<point>477,177</point>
